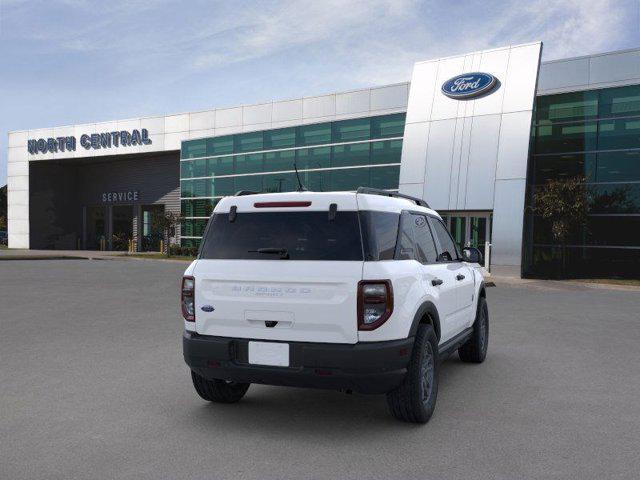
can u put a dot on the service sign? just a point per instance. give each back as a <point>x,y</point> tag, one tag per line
<point>93,141</point>
<point>119,197</point>
<point>469,85</point>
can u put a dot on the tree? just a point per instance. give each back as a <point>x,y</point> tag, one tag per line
<point>565,204</point>
<point>166,222</point>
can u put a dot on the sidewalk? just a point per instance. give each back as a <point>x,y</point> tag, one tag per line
<point>501,275</point>
<point>20,254</point>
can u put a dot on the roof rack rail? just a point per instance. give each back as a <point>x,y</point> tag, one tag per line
<point>242,193</point>
<point>385,193</point>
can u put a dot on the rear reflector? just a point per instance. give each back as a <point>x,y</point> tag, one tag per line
<point>281,204</point>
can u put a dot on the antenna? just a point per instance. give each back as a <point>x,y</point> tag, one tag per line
<point>301,187</point>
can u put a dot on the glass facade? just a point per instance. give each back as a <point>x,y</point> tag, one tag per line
<point>340,155</point>
<point>593,135</point>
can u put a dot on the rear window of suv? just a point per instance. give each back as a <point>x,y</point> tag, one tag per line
<point>275,235</point>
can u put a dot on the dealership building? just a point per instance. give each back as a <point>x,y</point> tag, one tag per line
<point>475,135</point>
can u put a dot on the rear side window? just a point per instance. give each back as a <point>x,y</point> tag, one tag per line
<point>405,250</point>
<point>448,250</point>
<point>302,235</point>
<point>425,246</point>
<point>379,232</point>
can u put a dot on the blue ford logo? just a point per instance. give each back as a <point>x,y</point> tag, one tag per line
<point>469,85</point>
<point>207,308</point>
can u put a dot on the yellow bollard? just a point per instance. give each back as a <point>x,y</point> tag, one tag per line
<point>161,246</point>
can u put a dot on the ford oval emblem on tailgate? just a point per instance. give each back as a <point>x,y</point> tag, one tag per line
<point>207,308</point>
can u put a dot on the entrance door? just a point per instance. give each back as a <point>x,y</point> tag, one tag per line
<point>470,229</point>
<point>96,227</point>
<point>151,233</point>
<point>478,232</point>
<point>122,223</point>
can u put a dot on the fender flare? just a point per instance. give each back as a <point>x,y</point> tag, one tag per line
<point>430,309</point>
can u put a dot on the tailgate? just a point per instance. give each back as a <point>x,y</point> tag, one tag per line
<point>308,301</point>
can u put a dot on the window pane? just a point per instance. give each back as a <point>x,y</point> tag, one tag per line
<point>618,167</point>
<point>221,187</point>
<point>186,188</point>
<point>615,198</point>
<point>458,229</point>
<point>448,249</point>
<point>220,166</point>
<point>566,107</point>
<point>613,230</point>
<point>425,246</point>
<point>388,126</point>
<point>194,148</point>
<point>279,182</point>
<point>563,166</point>
<point>220,145</point>
<point>620,102</point>
<point>197,208</point>
<point>200,188</point>
<point>348,179</point>
<point>619,134</point>
<point>380,231</point>
<point>280,138</point>
<point>387,178</point>
<point>304,235</point>
<point>190,242</point>
<point>250,163</point>
<point>347,155</point>
<point>199,167</point>
<point>248,142</point>
<point>313,134</point>
<point>275,161</point>
<point>319,157</point>
<point>186,169</point>
<point>317,181</point>
<point>388,151</point>
<point>193,228</point>
<point>406,249</point>
<point>252,183</point>
<point>575,137</point>
<point>352,130</point>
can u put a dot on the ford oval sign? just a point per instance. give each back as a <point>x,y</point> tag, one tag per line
<point>468,85</point>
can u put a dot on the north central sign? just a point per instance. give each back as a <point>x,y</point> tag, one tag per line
<point>469,85</point>
<point>93,141</point>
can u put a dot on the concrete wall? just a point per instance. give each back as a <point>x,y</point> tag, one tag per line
<point>472,154</point>
<point>167,133</point>
<point>611,69</point>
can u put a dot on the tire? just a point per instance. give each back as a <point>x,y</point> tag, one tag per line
<point>474,350</point>
<point>219,391</point>
<point>415,400</point>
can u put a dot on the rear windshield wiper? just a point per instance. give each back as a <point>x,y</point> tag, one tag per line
<point>284,254</point>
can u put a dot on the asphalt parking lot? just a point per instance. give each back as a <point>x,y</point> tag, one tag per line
<point>93,385</point>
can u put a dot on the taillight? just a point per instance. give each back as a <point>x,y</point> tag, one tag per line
<point>375,303</point>
<point>187,299</point>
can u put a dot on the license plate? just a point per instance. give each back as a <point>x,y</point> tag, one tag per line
<point>269,353</point>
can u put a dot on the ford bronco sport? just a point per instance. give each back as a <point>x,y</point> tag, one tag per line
<point>363,292</point>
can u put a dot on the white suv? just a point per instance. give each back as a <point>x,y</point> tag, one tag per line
<point>362,292</point>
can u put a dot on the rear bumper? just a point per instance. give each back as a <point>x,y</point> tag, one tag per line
<point>375,367</point>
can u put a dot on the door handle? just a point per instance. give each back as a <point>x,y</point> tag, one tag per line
<point>459,277</point>
<point>436,281</point>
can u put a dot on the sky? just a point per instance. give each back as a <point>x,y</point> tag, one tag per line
<point>65,62</point>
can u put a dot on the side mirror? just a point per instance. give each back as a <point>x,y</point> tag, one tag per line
<point>472,255</point>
